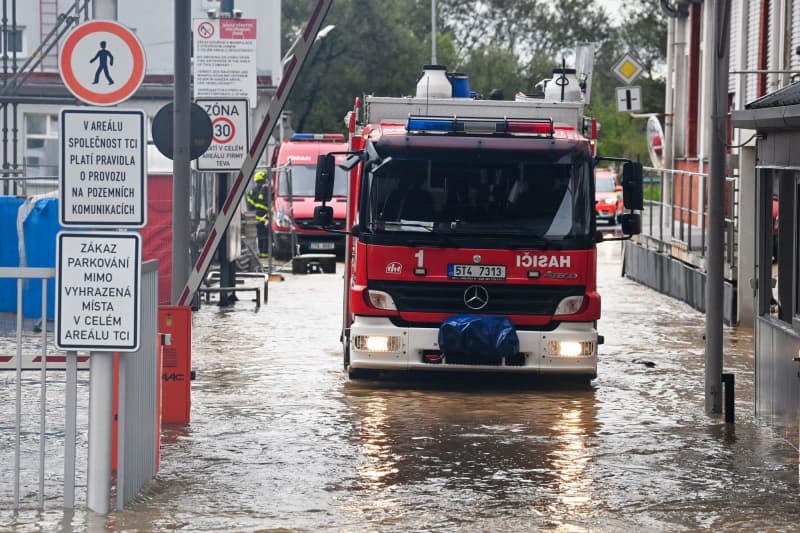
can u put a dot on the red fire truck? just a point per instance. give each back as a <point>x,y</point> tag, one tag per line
<point>294,163</point>
<point>471,237</point>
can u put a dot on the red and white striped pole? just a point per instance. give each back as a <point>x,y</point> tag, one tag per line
<point>298,56</point>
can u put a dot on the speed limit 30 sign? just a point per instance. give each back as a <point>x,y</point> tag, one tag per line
<point>230,134</point>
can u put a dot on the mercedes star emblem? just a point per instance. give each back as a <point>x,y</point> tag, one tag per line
<point>476,297</point>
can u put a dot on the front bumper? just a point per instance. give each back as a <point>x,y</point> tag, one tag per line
<point>534,358</point>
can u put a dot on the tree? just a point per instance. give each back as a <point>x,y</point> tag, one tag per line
<point>379,47</point>
<point>376,48</point>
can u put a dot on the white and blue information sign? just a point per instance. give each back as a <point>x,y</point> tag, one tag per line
<point>98,296</point>
<point>230,136</point>
<point>103,168</point>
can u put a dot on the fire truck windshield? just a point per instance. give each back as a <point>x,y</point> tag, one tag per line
<point>303,179</point>
<point>512,194</point>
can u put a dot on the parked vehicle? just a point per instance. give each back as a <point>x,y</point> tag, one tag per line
<point>294,163</point>
<point>471,235</point>
<point>607,196</point>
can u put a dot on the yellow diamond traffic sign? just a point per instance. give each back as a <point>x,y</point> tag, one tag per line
<point>628,68</point>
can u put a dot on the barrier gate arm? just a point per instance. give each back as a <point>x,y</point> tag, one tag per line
<point>299,53</point>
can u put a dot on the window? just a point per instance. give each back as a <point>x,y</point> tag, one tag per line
<point>41,145</point>
<point>779,248</point>
<point>13,41</point>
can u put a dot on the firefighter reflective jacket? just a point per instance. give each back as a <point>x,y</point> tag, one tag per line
<point>257,198</point>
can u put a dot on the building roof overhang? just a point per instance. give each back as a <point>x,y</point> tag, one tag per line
<point>785,117</point>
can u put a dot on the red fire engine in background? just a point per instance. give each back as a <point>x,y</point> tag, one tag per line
<point>294,163</point>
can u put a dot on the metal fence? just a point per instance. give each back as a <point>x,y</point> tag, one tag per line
<point>676,213</point>
<point>139,403</point>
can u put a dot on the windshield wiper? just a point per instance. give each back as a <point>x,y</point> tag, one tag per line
<point>399,224</point>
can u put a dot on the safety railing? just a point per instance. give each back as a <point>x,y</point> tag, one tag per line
<point>139,408</point>
<point>40,275</point>
<point>676,214</point>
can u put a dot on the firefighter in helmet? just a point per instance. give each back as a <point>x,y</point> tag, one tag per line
<point>258,200</point>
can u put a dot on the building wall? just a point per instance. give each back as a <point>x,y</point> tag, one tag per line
<point>152,21</point>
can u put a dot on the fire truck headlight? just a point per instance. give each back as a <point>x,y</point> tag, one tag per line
<point>283,220</point>
<point>570,348</point>
<point>381,300</point>
<point>377,343</point>
<point>569,305</point>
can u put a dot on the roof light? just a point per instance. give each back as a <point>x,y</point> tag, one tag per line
<point>334,137</point>
<point>480,126</point>
<point>531,127</point>
<point>430,124</point>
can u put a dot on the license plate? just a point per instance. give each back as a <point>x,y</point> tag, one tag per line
<point>321,246</point>
<point>476,272</point>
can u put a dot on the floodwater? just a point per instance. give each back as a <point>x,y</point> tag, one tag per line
<point>281,439</point>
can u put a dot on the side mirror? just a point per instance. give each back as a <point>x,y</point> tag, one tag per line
<point>632,186</point>
<point>326,168</point>
<point>631,223</point>
<point>323,216</point>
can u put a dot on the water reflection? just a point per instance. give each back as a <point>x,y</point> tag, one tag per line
<point>473,447</point>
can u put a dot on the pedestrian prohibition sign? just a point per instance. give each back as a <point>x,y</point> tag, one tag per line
<point>102,62</point>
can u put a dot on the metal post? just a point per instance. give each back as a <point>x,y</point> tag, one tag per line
<point>19,394</point>
<point>101,415</point>
<point>433,32</point>
<point>43,397</point>
<point>70,428</point>
<point>226,8</point>
<point>227,268</point>
<point>104,9</point>
<point>181,171</point>
<point>729,381</point>
<point>716,190</point>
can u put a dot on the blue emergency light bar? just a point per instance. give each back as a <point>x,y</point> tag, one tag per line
<point>333,137</point>
<point>481,126</point>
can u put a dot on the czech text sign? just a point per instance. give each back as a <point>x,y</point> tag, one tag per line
<point>102,62</point>
<point>225,59</point>
<point>229,130</point>
<point>102,168</point>
<point>629,98</point>
<point>98,293</point>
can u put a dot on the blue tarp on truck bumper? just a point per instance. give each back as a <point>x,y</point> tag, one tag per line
<point>489,337</point>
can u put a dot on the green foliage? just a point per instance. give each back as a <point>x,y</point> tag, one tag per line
<point>620,134</point>
<point>379,47</point>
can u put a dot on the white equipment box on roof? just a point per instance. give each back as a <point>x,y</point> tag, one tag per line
<point>381,109</point>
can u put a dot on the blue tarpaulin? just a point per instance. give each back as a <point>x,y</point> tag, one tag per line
<point>9,250</point>
<point>486,336</point>
<point>40,229</point>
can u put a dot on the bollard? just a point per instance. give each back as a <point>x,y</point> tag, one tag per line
<point>728,394</point>
<point>176,321</point>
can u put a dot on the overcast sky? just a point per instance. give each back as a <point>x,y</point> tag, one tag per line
<point>612,7</point>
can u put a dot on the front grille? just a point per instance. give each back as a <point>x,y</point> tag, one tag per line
<point>503,299</point>
<point>471,359</point>
<point>308,223</point>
